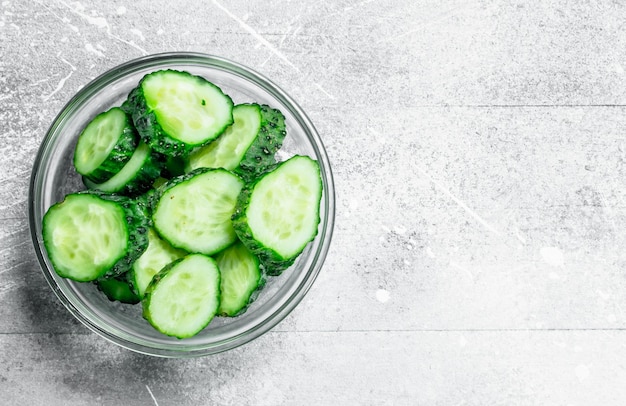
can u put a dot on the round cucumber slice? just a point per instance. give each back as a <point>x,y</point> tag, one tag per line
<point>241,278</point>
<point>175,111</point>
<point>278,215</point>
<point>193,212</point>
<point>85,236</point>
<point>183,298</point>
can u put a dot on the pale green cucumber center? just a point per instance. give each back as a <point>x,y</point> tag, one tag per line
<point>195,214</point>
<point>127,173</point>
<point>187,108</point>
<point>240,277</point>
<point>98,140</point>
<point>157,256</point>
<point>88,236</point>
<point>186,299</point>
<point>228,150</point>
<point>284,207</point>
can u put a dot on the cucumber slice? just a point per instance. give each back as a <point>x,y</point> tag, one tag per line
<point>260,156</point>
<point>157,256</point>
<point>183,298</point>
<point>105,145</point>
<point>278,215</point>
<point>228,150</point>
<point>193,211</point>
<point>85,236</point>
<point>135,177</point>
<point>241,279</point>
<point>175,111</point>
<point>118,290</point>
<point>247,146</point>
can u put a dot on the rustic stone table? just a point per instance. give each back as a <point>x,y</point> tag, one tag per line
<point>479,154</point>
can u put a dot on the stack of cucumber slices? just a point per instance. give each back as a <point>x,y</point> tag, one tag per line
<point>186,210</point>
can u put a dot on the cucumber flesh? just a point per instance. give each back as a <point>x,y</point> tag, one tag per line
<point>241,278</point>
<point>193,212</point>
<point>183,297</point>
<point>228,150</point>
<point>278,215</point>
<point>105,145</point>
<point>157,256</point>
<point>85,236</point>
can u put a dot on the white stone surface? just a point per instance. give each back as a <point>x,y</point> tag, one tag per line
<point>479,154</point>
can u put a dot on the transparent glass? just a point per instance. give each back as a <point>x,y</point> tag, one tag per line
<point>53,176</point>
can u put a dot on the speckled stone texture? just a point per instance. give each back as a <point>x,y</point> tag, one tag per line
<point>479,154</point>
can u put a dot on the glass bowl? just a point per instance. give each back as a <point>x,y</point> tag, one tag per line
<point>53,177</point>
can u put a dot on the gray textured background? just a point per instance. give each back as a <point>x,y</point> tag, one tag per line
<point>479,155</point>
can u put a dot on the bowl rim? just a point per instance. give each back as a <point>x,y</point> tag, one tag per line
<point>328,199</point>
